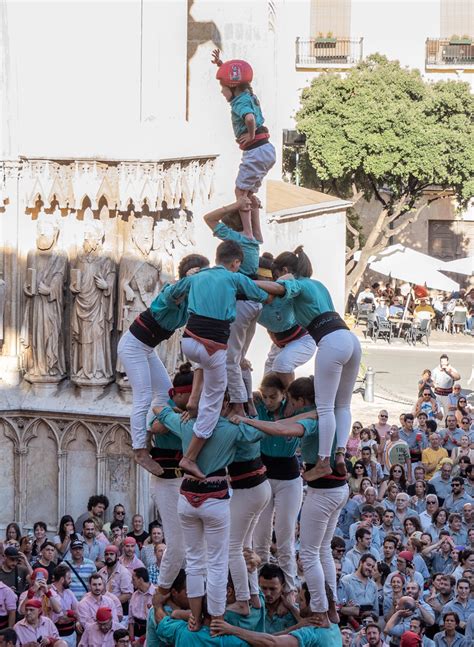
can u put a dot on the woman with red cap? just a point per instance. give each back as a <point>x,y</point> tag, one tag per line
<point>258,155</point>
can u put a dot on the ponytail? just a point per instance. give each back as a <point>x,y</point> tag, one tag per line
<point>296,263</point>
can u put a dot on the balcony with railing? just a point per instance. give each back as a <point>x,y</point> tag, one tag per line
<point>328,53</point>
<point>443,54</point>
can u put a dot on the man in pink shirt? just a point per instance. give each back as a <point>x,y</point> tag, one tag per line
<point>65,621</point>
<point>129,558</point>
<point>140,604</point>
<point>116,577</point>
<point>101,632</point>
<point>7,606</point>
<point>37,629</point>
<point>95,599</point>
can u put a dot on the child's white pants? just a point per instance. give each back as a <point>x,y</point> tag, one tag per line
<point>294,354</point>
<point>213,388</point>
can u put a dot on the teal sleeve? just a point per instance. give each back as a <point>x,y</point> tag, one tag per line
<point>250,289</point>
<point>152,639</point>
<point>179,288</point>
<point>292,288</point>
<point>172,421</point>
<point>167,631</point>
<point>243,106</point>
<point>249,434</point>
<point>310,426</point>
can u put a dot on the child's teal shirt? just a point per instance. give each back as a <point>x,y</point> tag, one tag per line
<point>250,247</point>
<point>241,106</point>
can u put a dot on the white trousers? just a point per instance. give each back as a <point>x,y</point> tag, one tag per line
<point>242,331</point>
<point>71,641</point>
<point>335,372</point>
<point>165,494</point>
<point>319,516</point>
<point>294,354</point>
<point>206,540</point>
<point>149,380</point>
<point>213,388</point>
<point>246,506</point>
<point>285,503</point>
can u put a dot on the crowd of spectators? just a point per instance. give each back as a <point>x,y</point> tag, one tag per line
<point>403,549</point>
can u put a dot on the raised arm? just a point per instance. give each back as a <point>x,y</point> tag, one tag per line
<point>213,218</point>
<point>222,628</point>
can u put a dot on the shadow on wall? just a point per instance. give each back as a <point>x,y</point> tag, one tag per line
<point>199,33</point>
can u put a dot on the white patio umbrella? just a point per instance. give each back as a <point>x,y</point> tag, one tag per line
<point>460,266</point>
<point>406,264</point>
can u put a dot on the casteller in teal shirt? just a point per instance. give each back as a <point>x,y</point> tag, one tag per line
<point>250,247</point>
<point>242,105</point>
<point>318,637</point>
<point>219,450</point>
<point>310,298</point>
<point>176,633</point>
<point>212,292</point>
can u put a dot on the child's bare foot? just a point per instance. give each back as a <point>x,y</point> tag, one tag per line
<point>340,462</point>
<point>240,606</point>
<point>255,601</point>
<point>192,408</point>
<point>252,411</point>
<point>333,615</point>
<point>321,469</point>
<point>191,467</point>
<point>236,409</point>
<point>143,458</point>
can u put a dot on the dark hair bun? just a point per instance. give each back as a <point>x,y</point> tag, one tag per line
<point>298,250</point>
<point>268,255</point>
<point>185,368</point>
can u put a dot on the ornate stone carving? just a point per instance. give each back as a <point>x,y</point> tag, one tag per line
<point>92,284</point>
<point>139,276</point>
<point>120,183</point>
<point>41,333</point>
<point>119,473</point>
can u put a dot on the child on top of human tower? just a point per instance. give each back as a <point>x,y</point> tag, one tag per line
<point>258,155</point>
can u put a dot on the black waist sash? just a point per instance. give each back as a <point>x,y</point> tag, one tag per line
<point>324,324</point>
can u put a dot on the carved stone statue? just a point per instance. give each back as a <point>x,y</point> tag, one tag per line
<point>92,316</point>
<point>41,333</point>
<point>139,276</point>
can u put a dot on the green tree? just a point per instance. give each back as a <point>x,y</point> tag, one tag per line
<point>382,132</point>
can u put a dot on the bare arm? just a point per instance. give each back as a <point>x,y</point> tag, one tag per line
<point>213,218</point>
<point>221,628</point>
<point>452,373</point>
<point>278,428</point>
<point>271,287</point>
<point>251,127</point>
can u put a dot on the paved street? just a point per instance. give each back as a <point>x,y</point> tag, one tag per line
<point>398,368</point>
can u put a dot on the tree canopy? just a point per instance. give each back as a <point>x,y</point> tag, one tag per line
<point>381,131</point>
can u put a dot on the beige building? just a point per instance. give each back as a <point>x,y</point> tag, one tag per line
<point>435,36</point>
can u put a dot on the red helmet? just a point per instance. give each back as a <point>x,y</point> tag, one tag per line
<point>235,72</point>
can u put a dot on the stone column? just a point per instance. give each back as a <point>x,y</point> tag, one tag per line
<point>9,358</point>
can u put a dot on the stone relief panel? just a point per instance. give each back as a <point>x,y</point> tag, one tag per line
<point>79,468</point>
<point>41,478</point>
<point>120,469</point>
<point>8,471</point>
<point>50,465</point>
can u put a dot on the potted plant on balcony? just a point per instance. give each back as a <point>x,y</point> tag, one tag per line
<point>460,40</point>
<point>325,42</point>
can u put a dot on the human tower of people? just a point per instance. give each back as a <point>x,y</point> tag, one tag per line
<point>225,463</point>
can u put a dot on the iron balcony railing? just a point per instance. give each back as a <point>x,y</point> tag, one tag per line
<point>444,52</point>
<point>328,52</point>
